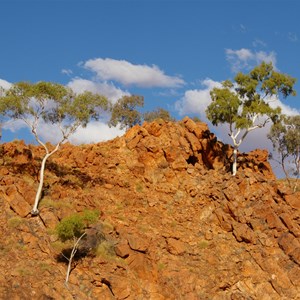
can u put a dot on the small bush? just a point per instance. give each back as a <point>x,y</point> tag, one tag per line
<point>74,225</point>
<point>15,222</point>
<point>106,249</point>
<point>49,203</point>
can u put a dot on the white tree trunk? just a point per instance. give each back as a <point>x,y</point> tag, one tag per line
<point>234,165</point>
<point>70,259</point>
<point>237,144</point>
<point>35,210</point>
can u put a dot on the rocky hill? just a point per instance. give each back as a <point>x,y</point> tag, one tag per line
<point>174,223</point>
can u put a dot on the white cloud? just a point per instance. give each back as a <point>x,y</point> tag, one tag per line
<point>79,85</point>
<point>67,72</point>
<point>14,125</point>
<point>127,73</point>
<point>5,84</point>
<point>95,131</point>
<point>196,101</point>
<point>274,102</point>
<point>247,59</point>
<point>259,43</point>
<point>266,57</point>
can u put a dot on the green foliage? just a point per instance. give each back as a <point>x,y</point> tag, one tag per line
<point>224,107</point>
<point>196,119</point>
<point>161,266</point>
<point>56,204</point>
<point>139,187</point>
<point>124,112</point>
<point>55,104</point>
<point>240,103</point>
<point>203,244</point>
<point>158,113</point>
<point>285,137</point>
<point>15,222</point>
<point>105,249</point>
<point>74,225</point>
<point>245,103</point>
<point>52,102</point>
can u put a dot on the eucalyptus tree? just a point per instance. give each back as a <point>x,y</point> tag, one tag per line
<point>125,112</point>
<point>245,103</point>
<point>285,136</point>
<point>54,104</point>
<point>158,113</point>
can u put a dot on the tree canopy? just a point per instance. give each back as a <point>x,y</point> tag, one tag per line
<point>245,103</point>
<point>125,112</point>
<point>52,103</point>
<point>285,136</point>
<point>158,113</point>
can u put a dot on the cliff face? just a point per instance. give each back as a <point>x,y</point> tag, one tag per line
<point>176,224</point>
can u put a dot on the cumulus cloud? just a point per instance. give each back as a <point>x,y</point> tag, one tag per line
<point>127,73</point>
<point>5,84</point>
<point>274,102</point>
<point>247,59</point>
<point>113,93</point>
<point>13,125</point>
<point>196,101</point>
<point>95,131</point>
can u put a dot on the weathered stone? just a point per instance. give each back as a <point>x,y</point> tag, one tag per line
<point>175,247</point>
<point>179,164</point>
<point>293,200</point>
<point>122,249</point>
<point>49,218</point>
<point>138,243</point>
<point>19,205</point>
<point>195,232</point>
<point>193,141</point>
<point>196,128</point>
<point>133,143</point>
<point>140,264</point>
<point>292,226</point>
<point>288,243</point>
<point>120,287</point>
<point>171,154</point>
<point>274,221</point>
<point>243,233</point>
<point>155,128</point>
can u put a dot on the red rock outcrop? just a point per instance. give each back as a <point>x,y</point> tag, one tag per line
<point>176,223</point>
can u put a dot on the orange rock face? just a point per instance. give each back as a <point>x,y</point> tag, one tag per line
<point>174,223</point>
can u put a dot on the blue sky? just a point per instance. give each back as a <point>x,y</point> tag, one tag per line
<point>171,52</point>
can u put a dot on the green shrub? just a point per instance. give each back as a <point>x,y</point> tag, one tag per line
<point>106,249</point>
<point>74,225</point>
<point>15,222</point>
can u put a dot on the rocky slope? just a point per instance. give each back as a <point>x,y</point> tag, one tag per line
<point>174,223</point>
